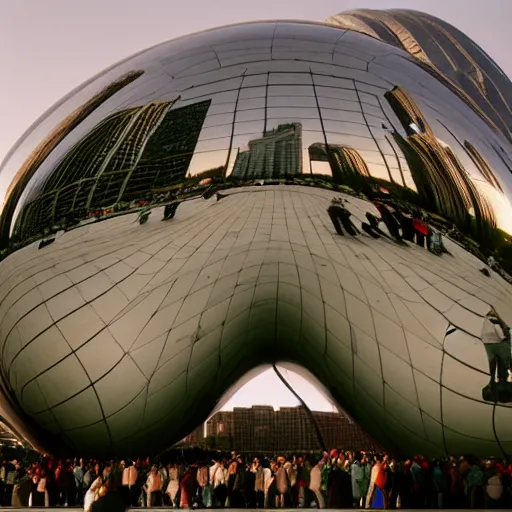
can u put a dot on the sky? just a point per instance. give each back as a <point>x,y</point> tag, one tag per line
<point>267,389</point>
<point>48,47</point>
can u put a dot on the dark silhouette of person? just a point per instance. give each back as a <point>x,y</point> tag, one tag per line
<point>340,218</point>
<point>496,339</point>
<point>389,220</point>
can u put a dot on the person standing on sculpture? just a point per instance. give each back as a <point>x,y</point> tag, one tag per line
<point>496,339</point>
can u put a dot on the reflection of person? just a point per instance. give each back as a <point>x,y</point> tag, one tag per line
<point>372,227</point>
<point>340,218</point>
<point>436,245</point>
<point>496,339</point>
<point>421,230</point>
<point>390,221</point>
<point>405,220</point>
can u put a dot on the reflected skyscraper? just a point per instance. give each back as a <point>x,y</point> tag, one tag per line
<point>277,154</point>
<point>482,165</point>
<point>345,162</point>
<point>168,151</point>
<point>123,158</point>
<point>439,175</point>
<point>49,143</point>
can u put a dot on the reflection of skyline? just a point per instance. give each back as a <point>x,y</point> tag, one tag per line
<point>136,150</point>
<point>262,126</point>
<point>166,157</point>
<point>276,154</point>
<point>115,143</point>
<point>122,158</point>
<point>49,143</point>
<point>440,177</point>
<point>482,165</point>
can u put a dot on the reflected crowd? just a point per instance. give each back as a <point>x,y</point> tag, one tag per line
<point>200,479</point>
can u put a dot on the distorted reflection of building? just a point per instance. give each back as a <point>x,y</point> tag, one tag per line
<point>278,153</point>
<point>84,177</point>
<point>345,162</point>
<point>446,53</point>
<point>482,165</point>
<point>123,158</point>
<point>49,143</point>
<point>262,429</point>
<point>438,174</point>
<point>168,152</point>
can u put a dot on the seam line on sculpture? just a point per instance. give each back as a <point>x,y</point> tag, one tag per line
<point>174,279</point>
<point>261,210</point>
<point>233,220</point>
<point>65,316</point>
<point>503,451</point>
<point>408,350</point>
<point>317,73</point>
<point>383,156</point>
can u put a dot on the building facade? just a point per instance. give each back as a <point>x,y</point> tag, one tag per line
<point>261,429</point>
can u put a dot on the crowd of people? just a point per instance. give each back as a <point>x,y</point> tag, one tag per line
<point>403,225</point>
<point>339,479</point>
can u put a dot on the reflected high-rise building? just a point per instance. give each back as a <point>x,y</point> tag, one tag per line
<point>49,143</point>
<point>444,51</point>
<point>76,184</point>
<point>116,144</point>
<point>277,154</point>
<point>439,175</point>
<point>123,158</point>
<point>345,162</point>
<point>168,152</point>
<point>482,165</point>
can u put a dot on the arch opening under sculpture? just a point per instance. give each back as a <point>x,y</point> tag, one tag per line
<point>279,408</point>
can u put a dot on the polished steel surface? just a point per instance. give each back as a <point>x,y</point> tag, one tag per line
<point>121,331</point>
<point>445,51</point>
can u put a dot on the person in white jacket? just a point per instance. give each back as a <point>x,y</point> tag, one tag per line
<point>496,339</point>
<point>218,479</point>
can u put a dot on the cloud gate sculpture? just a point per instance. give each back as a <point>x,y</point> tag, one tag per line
<point>270,191</point>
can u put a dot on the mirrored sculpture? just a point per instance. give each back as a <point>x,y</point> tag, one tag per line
<point>272,191</point>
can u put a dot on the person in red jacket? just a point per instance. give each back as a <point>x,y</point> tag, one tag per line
<point>421,230</point>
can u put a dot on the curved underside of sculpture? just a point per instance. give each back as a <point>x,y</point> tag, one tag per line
<point>120,331</point>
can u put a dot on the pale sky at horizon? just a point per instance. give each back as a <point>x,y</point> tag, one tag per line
<point>267,389</point>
